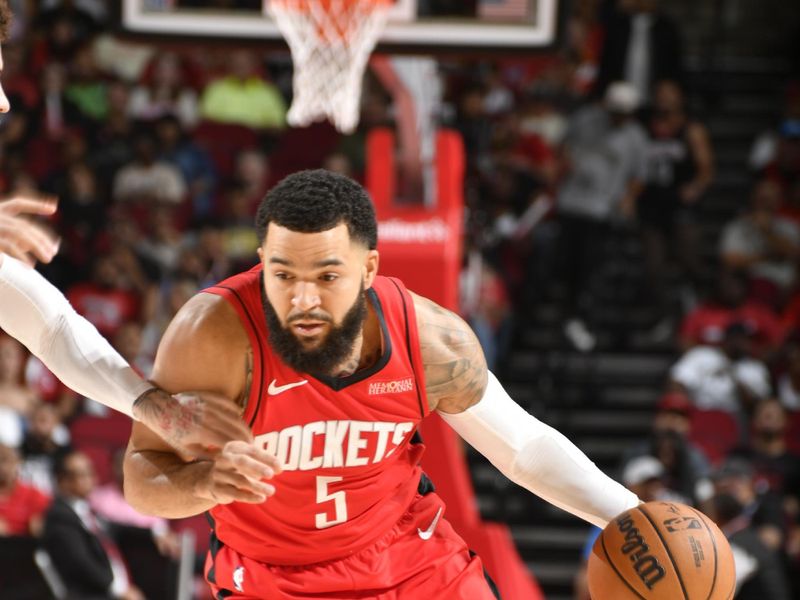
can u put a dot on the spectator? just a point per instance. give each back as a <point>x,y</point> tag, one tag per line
<point>86,87</point>
<point>764,244</point>
<point>604,152</point>
<point>55,112</point>
<point>194,163</point>
<point>776,468</point>
<point>79,543</point>
<point>723,378</point>
<point>686,468</point>
<point>22,506</point>
<point>486,307</point>
<point>706,324</point>
<point>735,509</point>
<point>173,294</point>
<point>103,300</point>
<point>146,179</point>
<point>108,501</point>
<point>128,342</point>
<point>244,97</point>
<point>165,92</point>
<point>241,242</point>
<point>45,441</point>
<point>161,246</point>
<point>642,45</point>
<point>679,170</point>
<point>252,170</point>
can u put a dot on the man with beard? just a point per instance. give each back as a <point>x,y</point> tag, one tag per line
<point>334,367</point>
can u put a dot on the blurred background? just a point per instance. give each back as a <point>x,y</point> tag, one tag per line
<point>627,249</point>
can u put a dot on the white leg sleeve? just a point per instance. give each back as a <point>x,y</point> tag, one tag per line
<point>34,312</point>
<point>539,458</point>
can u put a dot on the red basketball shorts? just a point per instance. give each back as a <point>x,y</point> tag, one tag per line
<point>420,557</point>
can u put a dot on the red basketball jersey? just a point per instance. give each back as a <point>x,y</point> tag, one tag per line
<point>349,468</point>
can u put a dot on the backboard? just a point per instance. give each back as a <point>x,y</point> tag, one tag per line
<point>476,24</point>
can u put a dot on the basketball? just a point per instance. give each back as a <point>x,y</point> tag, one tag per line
<point>661,551</point>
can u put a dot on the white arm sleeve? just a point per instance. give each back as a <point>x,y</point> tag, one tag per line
<point>34,312</point>
<point>539,458</point>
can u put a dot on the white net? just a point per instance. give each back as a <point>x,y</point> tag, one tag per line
<point>330,41</point>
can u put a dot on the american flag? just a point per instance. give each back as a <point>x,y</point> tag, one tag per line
<point>504,9</point>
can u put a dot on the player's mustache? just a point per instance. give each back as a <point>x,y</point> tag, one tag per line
<point>309,316</point>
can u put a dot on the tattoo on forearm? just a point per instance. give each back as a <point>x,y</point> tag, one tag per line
<point>171,417</point>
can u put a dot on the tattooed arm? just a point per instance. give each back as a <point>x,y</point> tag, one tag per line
<point>534,455</point>
<point>205,347</point>
<point>455,369</point>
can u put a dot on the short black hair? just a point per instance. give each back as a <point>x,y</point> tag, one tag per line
<point>318,200</point>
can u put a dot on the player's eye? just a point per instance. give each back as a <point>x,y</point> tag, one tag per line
<point>283,276</point>
<point>328,277</point>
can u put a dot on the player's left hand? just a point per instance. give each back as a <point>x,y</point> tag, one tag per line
<point>24,239</point>
<point>197,424</point>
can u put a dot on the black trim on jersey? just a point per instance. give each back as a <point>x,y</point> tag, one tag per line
<point>260,348</point>
<point>222,594</point>
<point>489,580</point>
<point>408,347</point>
<point>425,485</point>
<point>339,383</point>
<point>214,546</point>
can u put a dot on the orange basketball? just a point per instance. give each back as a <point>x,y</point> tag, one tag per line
<point>661,551</point>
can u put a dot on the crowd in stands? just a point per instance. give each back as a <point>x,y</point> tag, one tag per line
<point>159,158</point>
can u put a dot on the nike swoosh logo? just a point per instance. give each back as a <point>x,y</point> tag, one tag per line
<point>426,535</point>
<point>274,390</point>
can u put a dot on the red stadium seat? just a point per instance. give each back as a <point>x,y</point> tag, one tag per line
<point>223,142</point>
<point>715,432</point>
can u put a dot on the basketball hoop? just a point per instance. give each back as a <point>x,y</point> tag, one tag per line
<point>330,41</point>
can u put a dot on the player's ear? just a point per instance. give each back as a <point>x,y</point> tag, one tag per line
<point>260,251</point>
<point>370,267</point>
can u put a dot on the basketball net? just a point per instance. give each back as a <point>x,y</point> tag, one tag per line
<point>330,41</point>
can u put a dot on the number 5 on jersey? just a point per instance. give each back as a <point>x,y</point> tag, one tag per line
<point>339,503</point>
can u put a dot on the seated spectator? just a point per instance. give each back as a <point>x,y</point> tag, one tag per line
<point>686,468</point>
<point>605,149</point>
<point>22,506</point>
<point>723,378</point>
<point>103,300</point>
<point>764,244</point>
<point>776,468</point>
<point>738,512</point>
<point>87,87</point>
<point>108,501</point>
<point>241,242</point>
<point>680,167</point>
<point>173,294</point>
<point>146,179</point>
<point>79,542</point>
<point>14,393</point>
<point>244,97</point>
<point>45,441</point>
<point>164,91</point>
<point>486,306</point>
<point>194,163</point>
<point>706,324</point>
<point>161,244</point>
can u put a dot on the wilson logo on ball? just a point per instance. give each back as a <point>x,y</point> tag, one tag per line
<point>647,567</point>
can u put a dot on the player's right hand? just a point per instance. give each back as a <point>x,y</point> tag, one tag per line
<point>236,474</point>
<point>24,239</point>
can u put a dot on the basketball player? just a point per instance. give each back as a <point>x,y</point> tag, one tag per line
<point>37,314</point>
<point>334,367</point>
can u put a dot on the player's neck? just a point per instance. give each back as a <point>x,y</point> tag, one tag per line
<point>367,347</point>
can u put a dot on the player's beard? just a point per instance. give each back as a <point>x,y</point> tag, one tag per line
<point>336,346</point>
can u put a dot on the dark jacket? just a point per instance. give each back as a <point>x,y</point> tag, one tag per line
<point>77,553</point>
